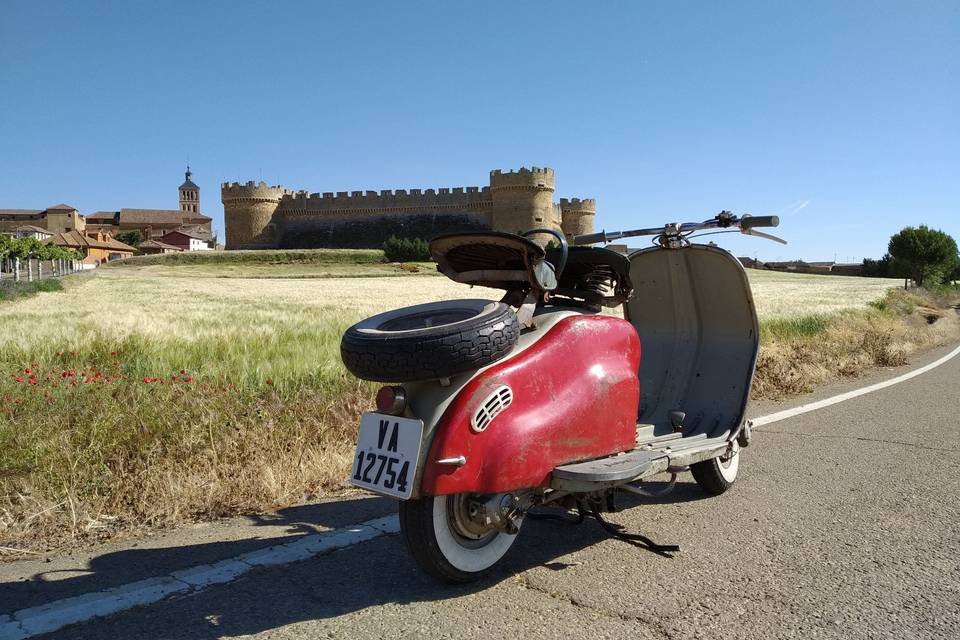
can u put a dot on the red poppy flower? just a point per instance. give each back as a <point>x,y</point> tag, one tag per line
<point>18,378</point>
<point>269,380</point>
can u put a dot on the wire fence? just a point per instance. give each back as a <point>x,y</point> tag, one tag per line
<point>16,270</point>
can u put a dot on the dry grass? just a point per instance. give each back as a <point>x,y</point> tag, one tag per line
<point>798,354</point>
<point>263,413</point>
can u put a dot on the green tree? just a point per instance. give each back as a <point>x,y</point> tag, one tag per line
<point>925,255</point>
<point>406,250</point>
<point>877,268</point>
<point>132,238</point>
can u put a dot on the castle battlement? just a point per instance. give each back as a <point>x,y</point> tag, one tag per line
<point>385,199</point>
<point>576,204</point>
<point>523,178</point>
<point>523,171</point>
<point>252,190</point>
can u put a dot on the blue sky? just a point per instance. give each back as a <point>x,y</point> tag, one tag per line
<point>842,117</point>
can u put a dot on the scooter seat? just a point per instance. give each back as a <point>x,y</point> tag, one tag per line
<point>493,259</point>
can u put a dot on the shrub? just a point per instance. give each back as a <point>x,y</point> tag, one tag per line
<point>406,250</point>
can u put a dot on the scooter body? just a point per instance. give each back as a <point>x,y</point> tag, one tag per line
<point>574,394</point>
<point>572,411</point>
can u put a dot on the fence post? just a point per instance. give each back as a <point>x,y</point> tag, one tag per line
<point>39,269</point>
<point>16,269</point>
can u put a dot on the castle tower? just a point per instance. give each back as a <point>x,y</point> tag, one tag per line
<point>189,195</point>
<point>522,199</point>
<point>248,213</point>
<point>577,215</point>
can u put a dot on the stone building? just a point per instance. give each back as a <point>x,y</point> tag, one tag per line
<point>259,216</point>
<point>56,219</point>
<point>154,223</point>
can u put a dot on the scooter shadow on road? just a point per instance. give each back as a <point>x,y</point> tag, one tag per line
<point>380,572</point>
<point>113,568</point>
<point>369,574</point>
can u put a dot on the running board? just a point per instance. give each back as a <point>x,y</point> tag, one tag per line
<point>595,475</point>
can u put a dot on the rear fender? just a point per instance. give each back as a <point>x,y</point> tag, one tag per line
<point>575,394</point>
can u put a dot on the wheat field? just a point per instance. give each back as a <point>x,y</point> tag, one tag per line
<point>146,396</point>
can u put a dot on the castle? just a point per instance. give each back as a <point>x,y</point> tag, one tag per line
<point>258,216</point>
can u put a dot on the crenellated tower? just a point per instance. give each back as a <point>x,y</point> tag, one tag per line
<point>248,213</point>
<point>577,215</point>
<point>522,199</point>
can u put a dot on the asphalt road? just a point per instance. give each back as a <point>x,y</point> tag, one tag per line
<point>844,523</point>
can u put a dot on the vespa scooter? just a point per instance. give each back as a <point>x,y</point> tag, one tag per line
<point>495,408</point>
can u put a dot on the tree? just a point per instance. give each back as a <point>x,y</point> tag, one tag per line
<point>406,250</point>
<point>877,268</point>
<point>925,255</point>
<point>955,275</point>
<point>132,238</point>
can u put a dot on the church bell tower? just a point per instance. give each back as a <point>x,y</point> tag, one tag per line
<point>189,195</point>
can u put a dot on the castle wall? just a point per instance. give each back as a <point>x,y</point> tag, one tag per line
<point>258,216</point>
<point>369,230</point>
<point>340,201</point>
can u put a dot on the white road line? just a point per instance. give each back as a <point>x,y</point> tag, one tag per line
<point>60,613</point>
<point>820,404</point>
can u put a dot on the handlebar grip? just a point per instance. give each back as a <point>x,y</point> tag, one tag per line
<point>589,238</point>
<point>749,222</point>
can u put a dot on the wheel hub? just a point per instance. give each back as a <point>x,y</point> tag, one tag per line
<point>477,517</point>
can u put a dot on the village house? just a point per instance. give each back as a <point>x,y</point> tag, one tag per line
<point>185,241</point>
<point>152,247</point>
<point>95,248</point>
<point>29,231</point>
<point>55,219</point>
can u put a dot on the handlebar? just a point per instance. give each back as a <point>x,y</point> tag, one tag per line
<point>750,222</point>
<point>678,231</point>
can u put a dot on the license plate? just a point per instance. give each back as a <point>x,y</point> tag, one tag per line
<point>388,448</point>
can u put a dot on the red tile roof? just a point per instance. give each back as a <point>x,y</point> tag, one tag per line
<point>156,244</point>
<point>77,239</point>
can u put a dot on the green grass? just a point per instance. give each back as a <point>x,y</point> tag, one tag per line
<point>795,327</point>
<point>12,291</point>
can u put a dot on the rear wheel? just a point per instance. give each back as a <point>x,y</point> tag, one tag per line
<point>718,474</point>
<point>446,542</point>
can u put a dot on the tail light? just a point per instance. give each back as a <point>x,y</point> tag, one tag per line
<point>391,400</point>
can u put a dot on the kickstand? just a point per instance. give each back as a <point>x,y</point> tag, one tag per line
<point>636,539</point>
<point>615,530</point>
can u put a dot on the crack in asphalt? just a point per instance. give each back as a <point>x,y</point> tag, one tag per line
<point>856,438</point>
<point>650,623</point>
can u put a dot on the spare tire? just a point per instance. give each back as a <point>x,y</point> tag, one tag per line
<point>429,341</point>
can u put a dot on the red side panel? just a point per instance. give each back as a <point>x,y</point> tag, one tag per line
<point>575,397</point>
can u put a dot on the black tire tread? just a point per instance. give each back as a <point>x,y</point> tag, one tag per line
<point>416,528</point>
<point>707,474</point>
<point>442,352</point>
